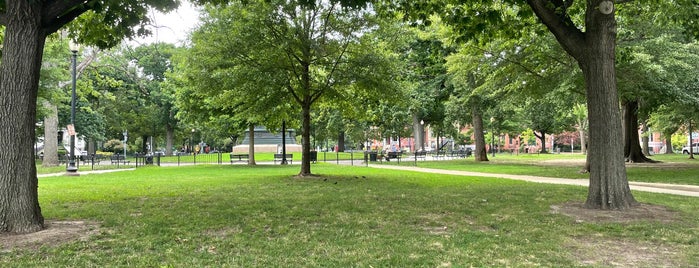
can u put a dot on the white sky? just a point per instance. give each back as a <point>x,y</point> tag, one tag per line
<point>172,27</point>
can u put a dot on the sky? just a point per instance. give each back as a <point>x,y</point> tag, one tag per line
<point>172,27</point>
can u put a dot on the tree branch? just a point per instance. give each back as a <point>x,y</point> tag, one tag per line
<point>559,23</point>
<point>58,13</point>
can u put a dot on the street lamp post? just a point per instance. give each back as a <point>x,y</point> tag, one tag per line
<point>72,169</point>
<point>191,142</point>
<point>492,136</point>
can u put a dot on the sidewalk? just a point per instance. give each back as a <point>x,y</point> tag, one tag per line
<point>676,189</point>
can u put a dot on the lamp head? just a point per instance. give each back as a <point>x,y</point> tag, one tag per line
<point>74,47</point>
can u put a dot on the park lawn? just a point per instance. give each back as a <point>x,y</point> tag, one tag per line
<point>673,169</point>
<point>240,216</point>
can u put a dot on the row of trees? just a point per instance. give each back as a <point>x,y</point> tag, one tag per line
<point>344,68</point>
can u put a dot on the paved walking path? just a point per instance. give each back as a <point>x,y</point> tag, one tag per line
<point>686,190</point>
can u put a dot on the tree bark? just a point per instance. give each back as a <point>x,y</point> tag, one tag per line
<point>418,133</point>
<point>668,144</point>
<point>169,138</point>
<point>645,140</point>
<point>633,152</point>
<point>341,141</point>
<point>306,139</point>
<point>583,142</point>
<point>542,139</point>
<point>480,154</point>
<point>22,54</point>
<point>594,50</point>
<point>50,136</point>
<point>609,187</point>
<point>251,145</point>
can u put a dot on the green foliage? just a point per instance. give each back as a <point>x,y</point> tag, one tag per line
<point>113,146</point>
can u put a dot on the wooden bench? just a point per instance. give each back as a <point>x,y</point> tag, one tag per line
<point>117,159</point>
<point>394,155</point>
<point>420,154</point>
<point>280,157</point>
<point>239,158</point>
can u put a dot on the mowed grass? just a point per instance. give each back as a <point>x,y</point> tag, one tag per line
<point>673,169</point>
<point>240,216</point>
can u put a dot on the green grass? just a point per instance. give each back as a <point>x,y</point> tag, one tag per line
<point>240,216</point>
<point>673,169</point>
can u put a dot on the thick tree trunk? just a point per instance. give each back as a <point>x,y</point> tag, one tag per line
<point>341,142</point>
<point>306,139</point>
<point>416,133</point>
<point>609,187</point>
<point>169,138</point>
<point>668,144</point>
<point>50,136</point>
<point>645,140</point>
<point>583,142</point>
<point>542,140</point>
<point>480,154</point>
<point>251,145</point>
<point>19,80</point>
<point>632,148</point>
<point>595,51</point>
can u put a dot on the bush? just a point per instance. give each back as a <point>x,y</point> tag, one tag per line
<point>113,146</point>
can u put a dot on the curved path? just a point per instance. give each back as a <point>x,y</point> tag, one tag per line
<point>676,189</point>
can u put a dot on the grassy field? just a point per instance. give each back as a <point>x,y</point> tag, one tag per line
<point>674,169</point>
<point>240,216</point>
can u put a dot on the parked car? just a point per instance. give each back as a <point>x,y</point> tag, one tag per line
<point>695,149</point>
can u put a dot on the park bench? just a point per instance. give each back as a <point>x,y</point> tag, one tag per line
<point>420,155</point>
<point>239,158</point>
<point>394,155</point>
<point>461,153</point>
<point>440,154</point>
<point>280,157</point>
<point>117,159</point>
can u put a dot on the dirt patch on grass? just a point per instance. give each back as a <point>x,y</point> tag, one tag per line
<point>611,252</point>
<point>615,252</point>
<point>642,212</point>
<point>55,233</point>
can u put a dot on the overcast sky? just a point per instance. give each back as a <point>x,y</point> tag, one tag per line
<point>172,27</point>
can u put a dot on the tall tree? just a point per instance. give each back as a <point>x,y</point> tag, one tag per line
<point>591,40</point>
<point>285,52</point>
<point>27,24</point>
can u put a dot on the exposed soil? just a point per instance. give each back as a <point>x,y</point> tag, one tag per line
<point>55,233</point>
<point>599,250</point>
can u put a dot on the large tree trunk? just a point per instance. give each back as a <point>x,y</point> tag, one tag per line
<point>609,187</point>
<point>595,52</point>
<point>50,136</point>
<point>668,144</point>
<point>645,139</point>
<point>19,80</point>
<point>306,139</point>
<point>480,154</point>
<point>542,140</point>
<point>418,133</point>
<point>341,141</point>
<point>632,148</point>
<point>169,138</point>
